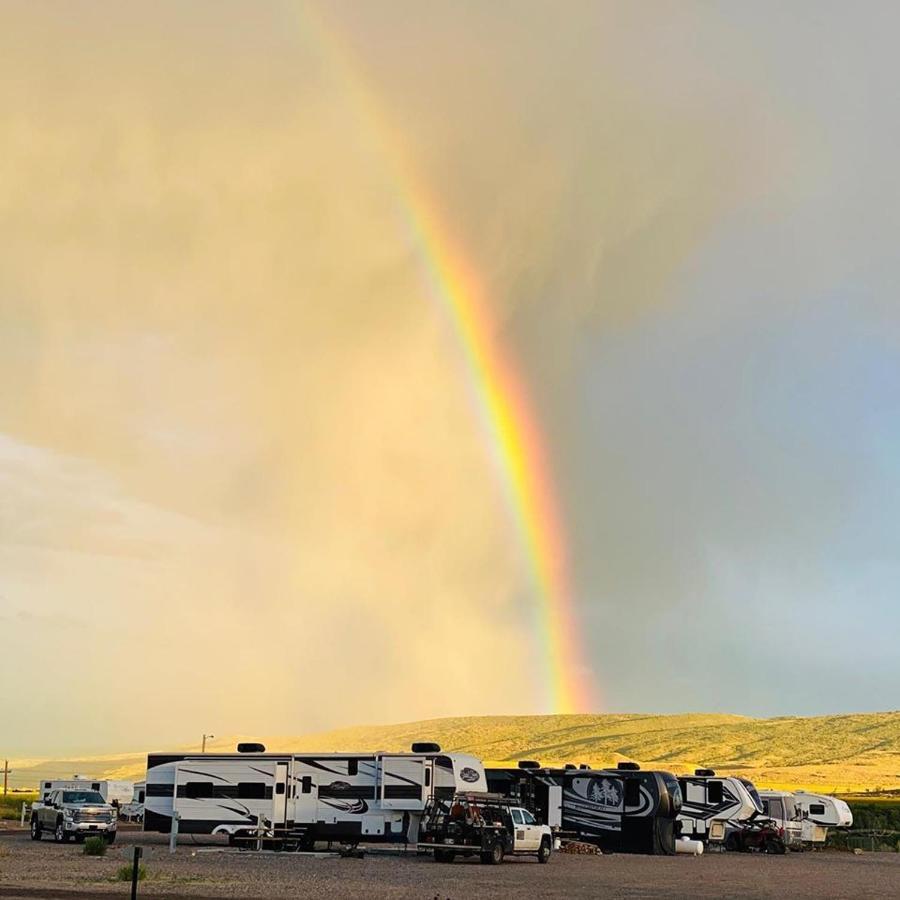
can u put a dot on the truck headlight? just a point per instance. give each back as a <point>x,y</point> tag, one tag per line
<point>69,814</point>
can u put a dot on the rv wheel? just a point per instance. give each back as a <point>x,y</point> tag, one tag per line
<point>544,852</point>
<point>35,829</point>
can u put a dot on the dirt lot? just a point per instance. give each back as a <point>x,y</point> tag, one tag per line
<point>47,870</point>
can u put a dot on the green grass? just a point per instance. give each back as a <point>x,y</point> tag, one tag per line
<point>124,873</point>
<point>11,804</point>
<point>94,846</point>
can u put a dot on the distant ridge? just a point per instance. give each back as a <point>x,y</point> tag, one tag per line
<point>848,753</point>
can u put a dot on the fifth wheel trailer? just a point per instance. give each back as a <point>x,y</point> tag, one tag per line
<point>710,803</point>
<point>299,798</point>
<point>626,809</point>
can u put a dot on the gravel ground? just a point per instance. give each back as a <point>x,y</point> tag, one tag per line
<point>48,870</point>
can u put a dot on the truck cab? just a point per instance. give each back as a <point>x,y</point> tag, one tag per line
<point>485,825</point>
<point>68,814</point>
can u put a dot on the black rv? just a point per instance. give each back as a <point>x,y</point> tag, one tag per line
<point>626,809</point>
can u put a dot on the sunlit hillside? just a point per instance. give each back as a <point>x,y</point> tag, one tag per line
<point>844,753</point>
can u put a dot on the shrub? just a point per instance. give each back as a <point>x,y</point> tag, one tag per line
<point>94,846</point>
<point>124,873</point>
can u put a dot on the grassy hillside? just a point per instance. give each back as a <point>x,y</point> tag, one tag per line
<point>849,753</point>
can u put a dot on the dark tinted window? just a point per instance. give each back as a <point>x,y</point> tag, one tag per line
<point>307,784</point>
<point>251,790</point>
<point>198,790</point>
<point>632,792</point>
<point>817,809</point>
<point>714,792</point>
<point>95,786</point>
<point>353,767</point>
<point>279,788</point>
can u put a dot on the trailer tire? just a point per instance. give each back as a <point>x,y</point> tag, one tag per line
<point>35,828</point>
<point>545,850</point>
<point>494,856</point>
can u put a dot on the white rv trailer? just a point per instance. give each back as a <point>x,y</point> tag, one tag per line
<point>820,812</point>
<point>113,792</point>
<point>299,798</point>
<point>711,803</point>
<point>782,807</point>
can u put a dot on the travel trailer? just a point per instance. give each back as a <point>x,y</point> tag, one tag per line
<point>819,812</point>
<point>298,798</point>
<point>624,809</point>
<point>711,802</point>
<point>113,792</point>
<point>782,807</point>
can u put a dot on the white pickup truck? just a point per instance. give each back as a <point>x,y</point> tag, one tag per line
<point>483,825</point>
<point>73,814</point>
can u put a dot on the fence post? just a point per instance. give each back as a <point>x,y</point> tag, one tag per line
<point>135,869</point>
<point>173,834</point>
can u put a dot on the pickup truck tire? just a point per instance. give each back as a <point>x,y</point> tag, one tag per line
<point>35,828</point>
<point>110,837</point>
<point>494,856</point>
<point>59,835</point>
<point>545,851</point>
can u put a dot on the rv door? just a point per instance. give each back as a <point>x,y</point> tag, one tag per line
<point>279,795</point>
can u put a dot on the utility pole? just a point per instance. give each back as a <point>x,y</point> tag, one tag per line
<point>5,776</point>
<point>206,737</point>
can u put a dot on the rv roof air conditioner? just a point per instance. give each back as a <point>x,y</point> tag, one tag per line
<point>529,764</point>
<point>583,766</point>
<point>704,772</point>
<point>571,766</point>
<point>629,767</point>
<point>251,748</point>
<point>426,747</point>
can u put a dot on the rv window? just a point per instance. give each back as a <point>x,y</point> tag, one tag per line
<point>307,784</point>
<point>632,792</point>
<point>46,784</point>
<point>95,786</point>
<point>279,788</point>
<point>817,809</point>
<point>353,767</point>
<point>140,796</point>
<point>251,790</point>
<point>427,777</point>
<point>714,792</point>
<point>198,790</point>
<point>775,809</point>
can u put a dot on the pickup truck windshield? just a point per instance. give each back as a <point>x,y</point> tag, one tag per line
<point>82,797</point>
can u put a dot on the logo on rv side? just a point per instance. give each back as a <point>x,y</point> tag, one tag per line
<point>469,775</point>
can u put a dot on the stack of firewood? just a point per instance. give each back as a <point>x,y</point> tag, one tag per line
<point>581,848</point>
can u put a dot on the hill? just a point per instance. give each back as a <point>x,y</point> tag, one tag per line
<point>843,753</point>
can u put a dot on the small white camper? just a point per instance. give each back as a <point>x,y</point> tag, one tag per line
<point>819,812</point>
<point>113,792</point>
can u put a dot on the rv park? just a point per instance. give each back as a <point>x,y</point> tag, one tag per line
<point>430,823</point>
<point>209,870</point>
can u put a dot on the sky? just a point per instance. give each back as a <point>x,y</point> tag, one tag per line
<point>243,485</point>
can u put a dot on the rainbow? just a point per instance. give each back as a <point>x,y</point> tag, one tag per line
<point>501,398</point>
